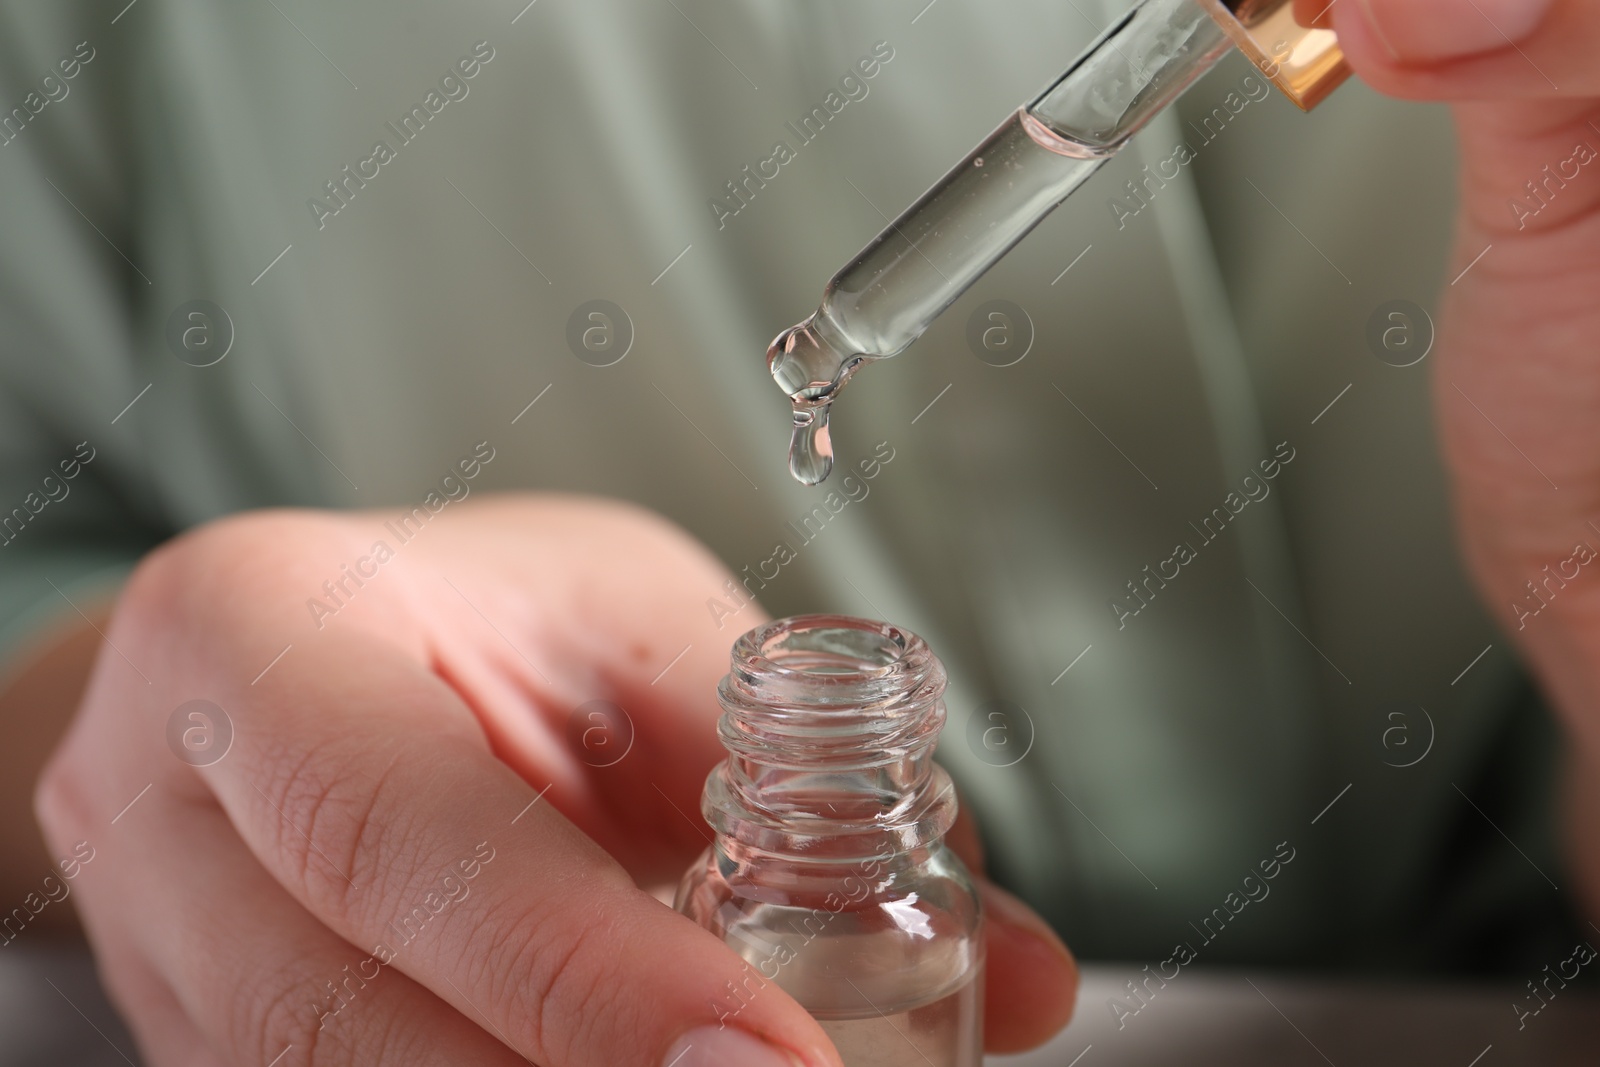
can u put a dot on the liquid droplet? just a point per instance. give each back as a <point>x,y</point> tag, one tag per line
<point>810,446</point>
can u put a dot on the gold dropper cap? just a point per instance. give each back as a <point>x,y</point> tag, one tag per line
<point>1307,64</point>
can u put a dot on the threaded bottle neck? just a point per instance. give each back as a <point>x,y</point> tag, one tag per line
<point>830,723</point>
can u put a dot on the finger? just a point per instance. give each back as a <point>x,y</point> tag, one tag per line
<point>1472,49</point>
<point>1317,13</point>
<point>554,606</point>
<point>161,1029</point>
<point>358,776</point>
<point>1030,981</point>
<point>223,966</point>
<point>963,839</point>
<point>1432,30</point>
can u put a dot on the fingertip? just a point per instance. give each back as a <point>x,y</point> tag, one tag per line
<point>727,1046</point>
<point>1375,58</point>
<point>1362,42</point>
<point>1424,32</point>
<point>1031,982</point>
<point>1314,14</point>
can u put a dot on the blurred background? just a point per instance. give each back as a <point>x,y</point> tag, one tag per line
<point>1320,678</point>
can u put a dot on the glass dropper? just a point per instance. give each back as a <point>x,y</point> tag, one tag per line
<point>924,260</point>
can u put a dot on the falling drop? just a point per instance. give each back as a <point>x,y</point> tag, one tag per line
<point>811,363</point>
<point>810,446</point>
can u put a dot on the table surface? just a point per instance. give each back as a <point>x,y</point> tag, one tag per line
<point>1224,1018</point>
<point>53,1013</point>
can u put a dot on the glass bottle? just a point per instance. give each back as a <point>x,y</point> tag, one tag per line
<point>829,873</point>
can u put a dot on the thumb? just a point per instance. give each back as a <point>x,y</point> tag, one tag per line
<point>1463,50</point>
<point>1435,31</point>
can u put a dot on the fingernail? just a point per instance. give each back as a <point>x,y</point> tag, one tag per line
<point>1434,30</point>
<point>712,1046</point>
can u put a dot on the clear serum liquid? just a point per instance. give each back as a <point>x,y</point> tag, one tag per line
<point>947,1032</point>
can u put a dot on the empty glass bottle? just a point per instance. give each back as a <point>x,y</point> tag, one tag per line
<point>829,873</point>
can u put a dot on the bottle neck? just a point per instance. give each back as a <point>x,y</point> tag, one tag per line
<point>830,724</point>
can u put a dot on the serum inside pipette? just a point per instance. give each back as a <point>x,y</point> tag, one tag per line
<point>883,301</point>
<point>922,262</point>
